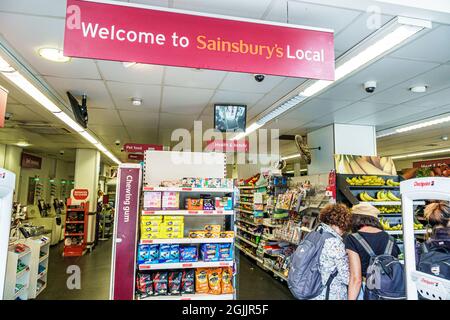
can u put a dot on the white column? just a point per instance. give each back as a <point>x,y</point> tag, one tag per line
<point>339,139</point>
<point>87,169</point>
<point>297,169</point>
<point>13,156</point>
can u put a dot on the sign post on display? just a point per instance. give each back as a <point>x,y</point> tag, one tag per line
<point>141,147</point>
<point>125,231</point>
<point>153,35</point>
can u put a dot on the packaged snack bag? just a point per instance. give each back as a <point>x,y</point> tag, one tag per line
<point>208,204</point>
<point>210,252</point>
<point>201,280</point>
<point>152,200</point>
<point>197,234</point>
<point>188,254</point>
<point>227,234</point>
<point>174,255</point>
<point>213,227</point>
<point>174,283</point>
<point>212,235</point>
<point>164,253</point>
<point>225,252</point>
<point>143,253</point>
<point>153,253</point>
<point>188,281</point>
<point>194,204</point>
<point>227,280</point>
<point>149,229</point>
<point>160,283</point>
<point>172,229</point>
<point>170,200</point>
<point>144,285</point>
<point>215,280</point>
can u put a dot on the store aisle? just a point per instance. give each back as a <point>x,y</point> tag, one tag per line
<point>257,284</point>
<point>95,274</point>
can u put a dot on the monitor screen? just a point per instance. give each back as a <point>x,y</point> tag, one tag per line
<point>230,118</point>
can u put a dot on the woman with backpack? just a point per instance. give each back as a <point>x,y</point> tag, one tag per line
<point>368,240</point>
<point>335,221</point>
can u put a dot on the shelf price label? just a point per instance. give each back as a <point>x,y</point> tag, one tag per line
<point>187,265</point>
<point>193,212</point>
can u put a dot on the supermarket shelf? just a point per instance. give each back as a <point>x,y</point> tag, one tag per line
<point>21,273</point>
<point>243,202</point>
<point>247,241</point>
<point>392,203</point>
<point>41,289</point>
<point>74,222</point>
<point>278,274</point>
<point>187,240</point>
<point>265,237</point>
<point>20,292</point>
<point>272,225</point>
<point>272,255</point>
<point>23,254</point>
<point>40,275</point>
<point>374,187</point>
<point>187,189</point>
<point>43,258</point>
<point>249,254</point>
<point>249,222</point>
<point>198,296</point>
<point>397,232</point>
<point>246,195</point>
<point>246,187</point>
<point>250,232</point>
<point>186,212</point>
<point>184,265</point>
<point>245,211</point>
<point>74,234</point>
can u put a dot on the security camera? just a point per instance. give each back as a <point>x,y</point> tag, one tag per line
<point>61,152</point>
<point>122,149</point>
<point>370,86</point>
<point>8,116</point>
<point>117,142</point>
<point>259,77</point>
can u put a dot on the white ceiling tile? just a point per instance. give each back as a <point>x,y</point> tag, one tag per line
<point>175,121</point>
<point>357,31</point>
<point>110,132</point>
<point>143,135</point>
<point>236,8</point>
<point>52,8</point>
<point>139,73</point>
<point>320,16</point>
<point>277,12</point>
<point>158,3</point>
<point>122,93</point>
<point>139,119</point>
<point>22,113</point>
<point>314,109</point>
<point>245,82</point>
<point>359,110</point>
<point>104,117</point>
<point>433,46</point>
<point>32,33</point>
<point>187,101</point>
<point>187,77</point>
<point>97,95</point>
<point>432,100</point>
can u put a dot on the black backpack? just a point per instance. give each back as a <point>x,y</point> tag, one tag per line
<point>385,277</point>
<point>435,260</point>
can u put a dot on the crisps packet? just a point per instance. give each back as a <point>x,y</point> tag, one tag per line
<point>201,280</point>
<point>227,280</point>
<point>215,281</point>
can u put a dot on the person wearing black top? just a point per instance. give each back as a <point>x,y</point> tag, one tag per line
<point>366,224</point>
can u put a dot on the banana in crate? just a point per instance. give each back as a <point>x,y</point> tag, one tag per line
<point>380,196</point>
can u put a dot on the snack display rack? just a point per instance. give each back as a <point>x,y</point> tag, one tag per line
<point>39,260</point>
<point>17,278</point>
<point>76,230</point>
<point>184,214</point>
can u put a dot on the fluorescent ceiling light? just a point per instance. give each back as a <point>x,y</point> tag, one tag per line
<point>418,154</point>
<point>293,156</point>
<point>31,90</point>
<point>23,144</point>
<point>4,66</point>
<point>69,121</point>
<point>385,39</point>
<point>88,137</point>
<point>101,147</point>
<point>253,127</point>
<point>419,89</point>
<point>439,119</point>
<point>53,54</point>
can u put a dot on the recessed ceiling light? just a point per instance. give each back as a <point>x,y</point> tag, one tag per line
<point>136,101</point>
<point>23,144</point>
<point>53,54</point>
<point>444,138</point>
<point>128,64</point>
<point>419,89</point>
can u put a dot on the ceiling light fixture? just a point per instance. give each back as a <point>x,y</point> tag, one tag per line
<point>418,154</point>
<point>53,54</point>
<point>444,138</point>
<point>21,82</point>
<point>129,64</point>
<point>419,89</point>
<point>293,156</point>
<point>136,102</point>
<point>381,42</point>
<point>23,144</point>
<point>253,127</point>
<point>439,119</point>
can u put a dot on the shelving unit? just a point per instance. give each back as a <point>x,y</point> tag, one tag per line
<point>155,172</point>
<point>40,252</point>
<point>17,281</point>
<point>80,235</point>
<point>106,223</point>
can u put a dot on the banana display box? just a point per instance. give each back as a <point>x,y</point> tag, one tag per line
<point>381,195</point>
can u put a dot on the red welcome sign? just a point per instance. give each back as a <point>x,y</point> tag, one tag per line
<point>80,194</point>
<point>3,99</point>
<point>138,33</point>
<point>140,147</point>
<point>227,146</point>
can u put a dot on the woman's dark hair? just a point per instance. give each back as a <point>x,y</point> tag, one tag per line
<point>437,214</point>
<point>336,215</point>
<point>359,221</point>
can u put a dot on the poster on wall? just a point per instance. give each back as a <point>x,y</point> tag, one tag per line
<point>30,162</point>
<point>153,35</point>
<point>364,165</point>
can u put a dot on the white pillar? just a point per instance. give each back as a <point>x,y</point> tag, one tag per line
<point>297,169</point>
<point>13,157</point>
<point>339,139</point>
<point>87,169</point>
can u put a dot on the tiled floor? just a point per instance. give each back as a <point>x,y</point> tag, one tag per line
<point>254,283</point>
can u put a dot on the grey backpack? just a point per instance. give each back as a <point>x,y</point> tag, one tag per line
<point>304,278</point>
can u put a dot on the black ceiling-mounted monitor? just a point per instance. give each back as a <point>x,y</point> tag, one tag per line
<point>80,111</point>
<point>230,117</point>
